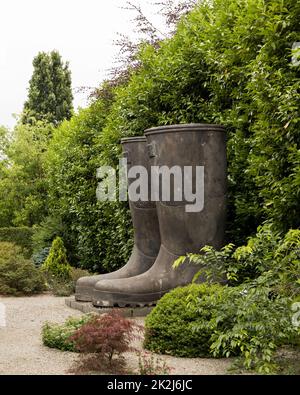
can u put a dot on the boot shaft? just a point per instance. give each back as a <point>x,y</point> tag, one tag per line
<point>191,145</point>
<point>143,213</point>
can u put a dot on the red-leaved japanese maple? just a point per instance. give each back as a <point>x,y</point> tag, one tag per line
<point>105,338</point>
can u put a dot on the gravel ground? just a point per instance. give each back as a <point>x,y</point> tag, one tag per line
<point>22,351</point>
<point>21,348</point>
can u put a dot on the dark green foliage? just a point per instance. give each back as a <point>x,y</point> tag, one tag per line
<point>50,90</point>
<point>230,63</point>
<point>46,232</point>
<point>18,275</point>
<point>58,336</point>
<point>22,236</point>
<point>170,325</point>
<point>97,234</point>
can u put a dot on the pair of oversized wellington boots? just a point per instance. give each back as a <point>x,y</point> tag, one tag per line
<point>165,229</point>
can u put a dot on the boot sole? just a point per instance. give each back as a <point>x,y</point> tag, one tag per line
<point>83,298</point>
<point>104,299</point>
<point>83,294</point>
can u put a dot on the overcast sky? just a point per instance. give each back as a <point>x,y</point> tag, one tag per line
<point>82,31</point>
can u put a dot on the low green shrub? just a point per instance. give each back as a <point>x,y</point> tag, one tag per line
<point>21,236</point>
<point>61,286</point>
<point>170,325</point>
<point>18,275</point>
<point>58,336</point>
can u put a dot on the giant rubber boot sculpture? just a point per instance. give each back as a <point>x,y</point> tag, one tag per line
<point>181,231</point>
<point>145,224</point>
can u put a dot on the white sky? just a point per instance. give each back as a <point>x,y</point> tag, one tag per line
<point>81,30</point>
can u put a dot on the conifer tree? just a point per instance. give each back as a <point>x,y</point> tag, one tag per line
<point>50,92</point>
<point>57,264</point>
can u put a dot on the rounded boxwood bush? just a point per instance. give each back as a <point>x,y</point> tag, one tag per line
<point>170,325</point>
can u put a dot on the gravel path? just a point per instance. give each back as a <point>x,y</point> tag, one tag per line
<point>21,348</point>
<point>22,351</point>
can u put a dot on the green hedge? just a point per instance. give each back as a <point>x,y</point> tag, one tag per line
<point>229,63</point>
<point>21,236</point>
<point>97,235</point>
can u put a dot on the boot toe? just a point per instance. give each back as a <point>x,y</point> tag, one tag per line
<point>87,281</point>
<point>84,288</point>
<point>132,292</point>
<point>115,286</point>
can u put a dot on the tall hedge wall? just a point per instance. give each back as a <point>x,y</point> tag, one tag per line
<point>229,62</point>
